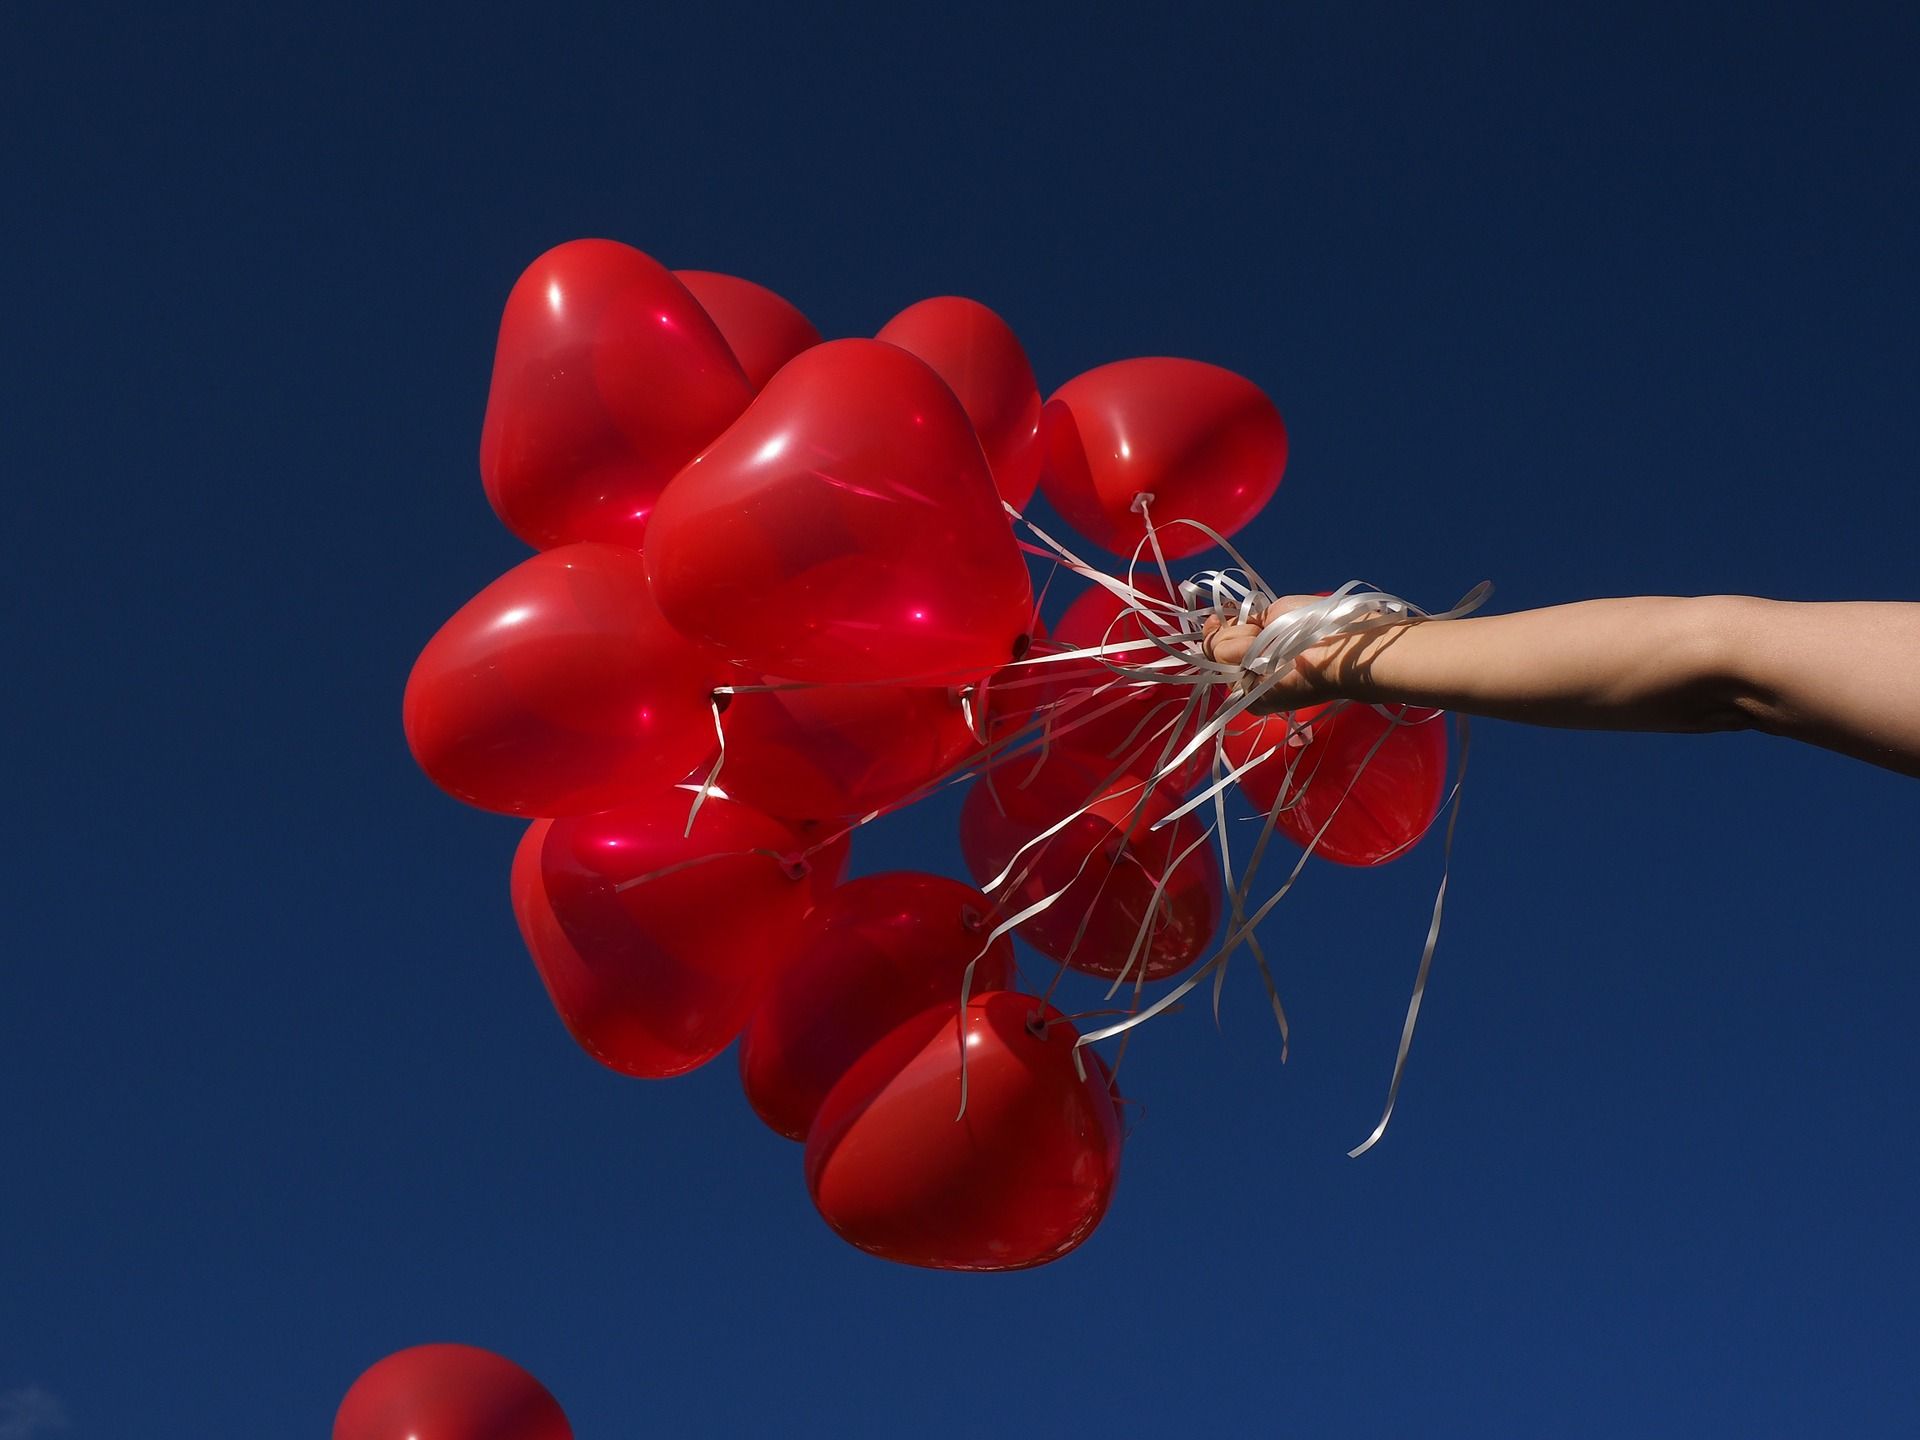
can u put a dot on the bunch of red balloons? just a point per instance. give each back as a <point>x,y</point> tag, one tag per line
<point>778,591</point>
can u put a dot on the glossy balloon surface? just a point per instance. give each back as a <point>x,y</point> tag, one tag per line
<point>840,750</point>
<point>559,689</point>
<point>977,354</point>
<point>1022,1179</point>
<point>1108,861</point>
<point>608,377</point>
<point>1373,809</point>
<point>656,979</point>
<point>763,330</point>
<point>845,528</point>
<point>448,1392</point>
<point>1134,727</point>
<point>881,950</point>
<point>1205,443</point>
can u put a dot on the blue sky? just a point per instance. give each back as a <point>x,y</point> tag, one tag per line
<point>1613,302</point>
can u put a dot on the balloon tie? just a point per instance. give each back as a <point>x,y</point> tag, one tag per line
<point>721,697</point>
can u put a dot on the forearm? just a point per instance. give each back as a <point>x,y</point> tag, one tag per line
<point>1845,676</point>
<point>1646,663</point>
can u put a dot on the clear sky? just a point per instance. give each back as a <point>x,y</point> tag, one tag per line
<point>1618,301</point>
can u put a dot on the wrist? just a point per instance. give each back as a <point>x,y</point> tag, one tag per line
<point>1362,667</point>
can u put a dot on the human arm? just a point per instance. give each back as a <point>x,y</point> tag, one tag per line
<point>1844,675</point>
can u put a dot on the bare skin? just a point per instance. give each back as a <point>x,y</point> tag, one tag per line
<point>1845,675</point>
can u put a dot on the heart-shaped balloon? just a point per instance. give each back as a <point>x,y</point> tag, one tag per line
<point>449,1392</point>
<point>824,751</point>
<point>977,354</point>
<point>608,377</point>
<point>1106,866</point>
<point>1021,1179</point>
<point>1202,442</point>
<point>1368,786</point>
<point>559,689</point>
<point>845,528</point>
<point>763,330</point>
<point>655,978</point>
<point>559,962</point>
<point>876,953</point>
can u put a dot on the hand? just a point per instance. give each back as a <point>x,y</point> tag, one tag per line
<point>1337,668</point>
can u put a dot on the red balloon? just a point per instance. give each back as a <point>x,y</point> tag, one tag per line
<point>1205,443</point>
<point>840,750</point>
<point>1123,728</point>
<point>1107,861</point>
<point>844,529</point>
<point>559,690</point>
<point>655,980</point>
<point>608,378</point>
<point>449,1392</point>
<point>880,951</point>
<point>978,355</point>
<point>1371,815</point>
<point>1022,1179</point>
<point>763,330</point>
